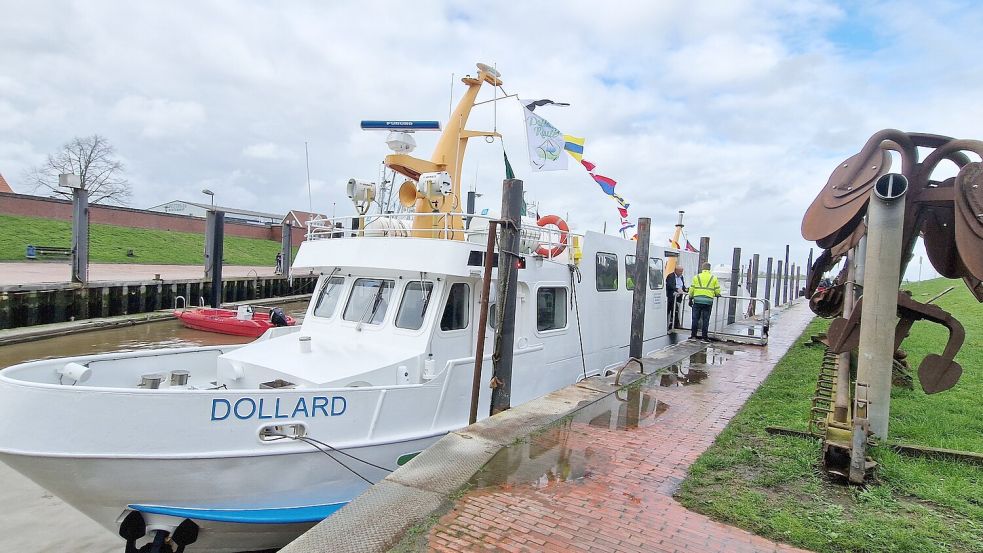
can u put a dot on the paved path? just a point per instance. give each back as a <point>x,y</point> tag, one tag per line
<point>48,272</point>
<point>624,500</point>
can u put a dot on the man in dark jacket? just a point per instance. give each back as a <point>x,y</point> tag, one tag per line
<point>675,288</point>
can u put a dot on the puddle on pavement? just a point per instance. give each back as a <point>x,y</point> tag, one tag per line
<point>163,334</point>
<point>564,451</point>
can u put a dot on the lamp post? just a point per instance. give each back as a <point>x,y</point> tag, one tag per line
<point>210,194</point>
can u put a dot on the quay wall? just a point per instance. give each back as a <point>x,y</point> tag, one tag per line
<point>55,208</point>
<point>65,302</point>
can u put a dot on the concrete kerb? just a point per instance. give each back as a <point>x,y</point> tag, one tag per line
<point>378,519</point>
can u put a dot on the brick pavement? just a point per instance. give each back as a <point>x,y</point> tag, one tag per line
<point>612,489</point>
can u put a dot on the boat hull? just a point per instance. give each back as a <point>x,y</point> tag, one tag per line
<point>224,321</point>
<point>220,489</point>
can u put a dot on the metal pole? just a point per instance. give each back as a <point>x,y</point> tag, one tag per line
<point>885,219</point>
<point>704,252</point>
<point>80,235</point>
<point>778,283</point>
<point>861,266</point>
<point>785,297</point>
<point>218,236</point>
<point>286,248</point>
<point>841,403</point>
<point>508,284</point>
<point>768,279</point>
<point>479,348</point>
<point>735,276</point>
<point>641,286</point>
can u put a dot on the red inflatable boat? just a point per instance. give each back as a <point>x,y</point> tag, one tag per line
<point>228,321</point>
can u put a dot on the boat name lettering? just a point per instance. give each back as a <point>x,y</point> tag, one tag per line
<point>246,408</point>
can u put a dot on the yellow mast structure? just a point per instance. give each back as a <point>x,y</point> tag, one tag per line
<point>671,262</point>
<point>448,157</point>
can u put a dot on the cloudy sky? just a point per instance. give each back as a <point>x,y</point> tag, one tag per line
<point>735,112</point>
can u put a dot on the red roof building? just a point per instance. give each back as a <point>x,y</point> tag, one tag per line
<point>4,187</point>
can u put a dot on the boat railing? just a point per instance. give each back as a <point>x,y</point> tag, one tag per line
<point>736,318</point>
<point>546,241</point>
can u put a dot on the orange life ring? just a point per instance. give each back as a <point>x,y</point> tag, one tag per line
<point>564,229</point>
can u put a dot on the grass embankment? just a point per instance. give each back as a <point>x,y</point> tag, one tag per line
<point>109,244</point>
<point>772,485</point>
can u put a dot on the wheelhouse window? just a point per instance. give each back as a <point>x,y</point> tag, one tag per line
<point>551,308</point>
<point>656,279</point>
<point>606,272</point>
<point>330,294</point>
<point>413,308</point>
<point>630,272</point>
<point>457,312</point>
<point>369,300</point>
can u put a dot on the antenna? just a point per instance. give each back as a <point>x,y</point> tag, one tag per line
<point>307,161</point>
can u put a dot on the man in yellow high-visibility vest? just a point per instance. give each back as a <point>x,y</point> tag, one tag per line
<point>702,291</point>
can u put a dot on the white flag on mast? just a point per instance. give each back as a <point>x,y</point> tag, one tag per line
<point>545,142</point>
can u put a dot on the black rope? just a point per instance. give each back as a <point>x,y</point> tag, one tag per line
<point>349,455</point>
<point>576,305</point>
<point>316,444</point>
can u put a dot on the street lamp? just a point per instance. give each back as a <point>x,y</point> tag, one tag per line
<point>209,193</point>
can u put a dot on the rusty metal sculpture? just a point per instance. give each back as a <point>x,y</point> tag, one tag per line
<point>947,214</point>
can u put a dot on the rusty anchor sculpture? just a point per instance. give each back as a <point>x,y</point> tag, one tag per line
<point>947,214</point>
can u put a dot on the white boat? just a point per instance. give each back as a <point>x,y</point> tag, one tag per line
<point>256,443</point>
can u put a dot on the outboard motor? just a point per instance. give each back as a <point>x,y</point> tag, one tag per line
<point>278,317</point>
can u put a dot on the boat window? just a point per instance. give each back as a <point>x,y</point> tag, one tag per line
<point>328,299</point>
<point>369,300</point>
<point>458,309</point>
<point>656,280</point>
<point>551,308</point>
<point>416,298</point>
<point>630,272</point>
<point>606,272</point>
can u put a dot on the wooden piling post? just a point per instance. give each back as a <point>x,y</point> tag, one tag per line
<point>641,286</point>
<point>735,278</point>
<point>508,273</point>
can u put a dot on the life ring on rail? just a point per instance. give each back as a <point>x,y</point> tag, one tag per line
<point>564,229</point>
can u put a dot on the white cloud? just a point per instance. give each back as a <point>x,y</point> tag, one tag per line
<point>159,117</point>
<point>734,111</point>
<point>268,150</point>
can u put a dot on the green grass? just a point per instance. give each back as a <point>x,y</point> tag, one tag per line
<point>772,485</point>
<point>109,244</point>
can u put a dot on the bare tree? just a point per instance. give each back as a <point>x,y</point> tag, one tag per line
<point>93,159</point>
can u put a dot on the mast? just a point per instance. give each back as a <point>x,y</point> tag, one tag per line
<point>448,157</point>
<point>671,262</point>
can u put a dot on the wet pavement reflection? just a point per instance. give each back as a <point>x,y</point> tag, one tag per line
<point>562,452</point>
<point>163,334</point>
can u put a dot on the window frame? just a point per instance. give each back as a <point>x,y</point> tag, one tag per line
<point>659,283</point>
<point>324,288</point>
<point>617,276</point>
<point>402,298</point>
<point>467,305</point>
<point>565,308</point>
<point>392,285</point>
<point>628,274</point>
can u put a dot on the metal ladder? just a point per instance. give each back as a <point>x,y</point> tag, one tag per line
<point>822,399</point>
